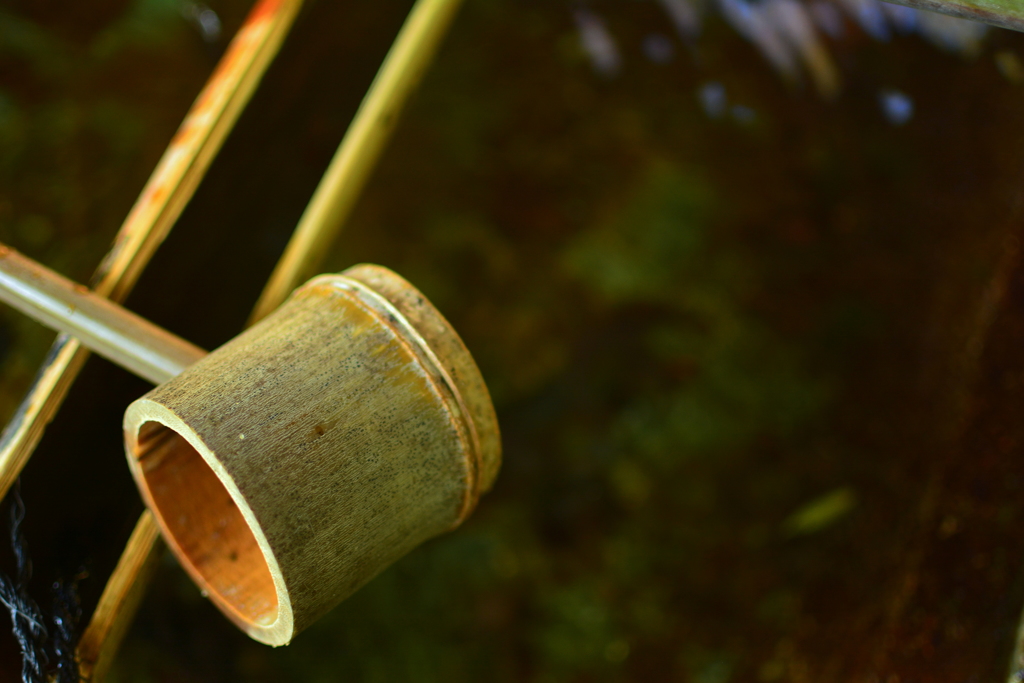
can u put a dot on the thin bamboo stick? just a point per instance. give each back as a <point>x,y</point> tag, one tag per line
<point>336,195</point>
<point>122,595</point>
<point>165,195</point>
<point>1006,13</point>
<point>119,335</point>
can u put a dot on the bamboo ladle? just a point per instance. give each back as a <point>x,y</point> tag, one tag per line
<point>291,465</point>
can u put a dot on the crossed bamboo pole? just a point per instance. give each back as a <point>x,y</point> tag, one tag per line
<point>331,204</point>
<point>150,220</point>
<point>165,195</point>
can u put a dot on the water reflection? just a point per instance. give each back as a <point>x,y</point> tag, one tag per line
<point>203,18</point>
<point>597,42</point>
<point>897,106</point>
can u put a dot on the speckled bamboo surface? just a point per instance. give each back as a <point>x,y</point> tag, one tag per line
<point>293,464</point>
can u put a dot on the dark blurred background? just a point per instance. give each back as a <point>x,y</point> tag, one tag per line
<point>748,299</point>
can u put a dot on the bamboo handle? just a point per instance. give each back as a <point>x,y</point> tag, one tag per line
<point>106,328</point>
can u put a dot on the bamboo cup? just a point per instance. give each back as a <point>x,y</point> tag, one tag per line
<point>290,466</point>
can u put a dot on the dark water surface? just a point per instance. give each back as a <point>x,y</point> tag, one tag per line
<point>759,376</point>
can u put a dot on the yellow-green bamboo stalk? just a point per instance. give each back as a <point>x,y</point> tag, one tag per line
<point>120,600</point>
<point>401,72</point>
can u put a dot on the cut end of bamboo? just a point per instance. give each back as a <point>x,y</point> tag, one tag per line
<point>208,524</point>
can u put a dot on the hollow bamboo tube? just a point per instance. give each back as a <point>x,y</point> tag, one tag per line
<point>168,190</point>
<point>291,465</point>
<point>336,195</point>
<point>118,335</point>
<point>1005,13</point>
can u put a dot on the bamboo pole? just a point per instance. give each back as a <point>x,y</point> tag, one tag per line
<point>165,195</point>
<point>336,195</point>
<point>399,74</point>
<point>1005,13</point>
